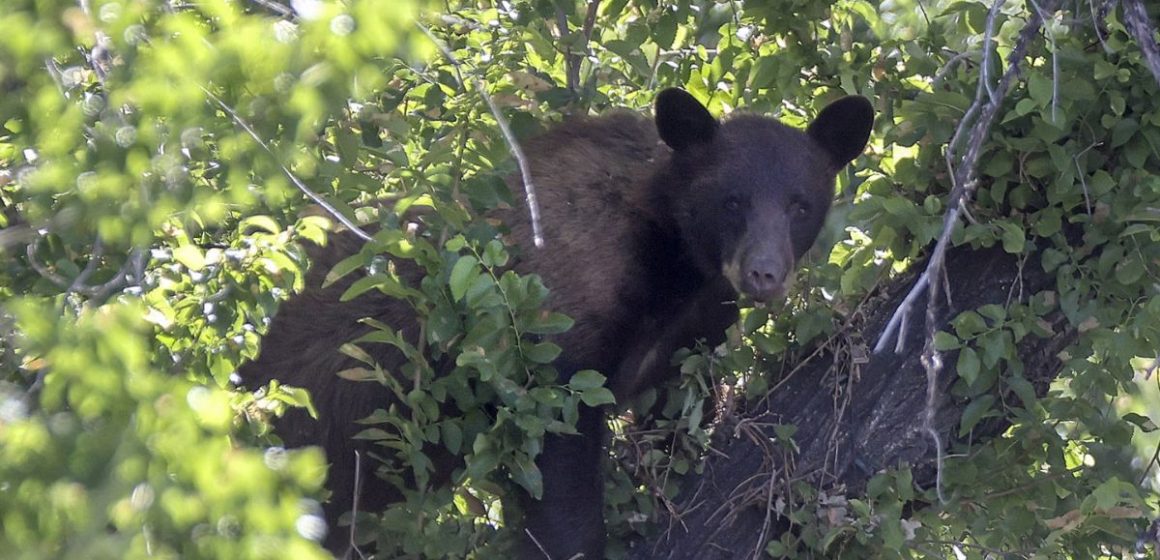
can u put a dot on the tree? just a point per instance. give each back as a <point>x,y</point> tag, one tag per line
<point>160,163</point>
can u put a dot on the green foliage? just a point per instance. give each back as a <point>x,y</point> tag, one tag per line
<point>151,226</point>
<point>118,460</point>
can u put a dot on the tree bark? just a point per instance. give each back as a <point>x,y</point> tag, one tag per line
<point>843,439</point>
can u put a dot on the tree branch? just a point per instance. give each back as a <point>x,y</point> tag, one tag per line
<point>572,60</point>
<point>1136,20</point>
<point>853,420</point>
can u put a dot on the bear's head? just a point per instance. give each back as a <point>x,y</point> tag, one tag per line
<point>750,194</point>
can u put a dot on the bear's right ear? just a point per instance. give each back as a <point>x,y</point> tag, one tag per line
<point>682,121</point>
<point>843,128</point>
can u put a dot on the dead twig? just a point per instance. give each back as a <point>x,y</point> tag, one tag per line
<point>509,137</point>
<point>572,59</point>
<point>321,202</point>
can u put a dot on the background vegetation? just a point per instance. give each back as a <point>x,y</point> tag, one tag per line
<point>161,161</point>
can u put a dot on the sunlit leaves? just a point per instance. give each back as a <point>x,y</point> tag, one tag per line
<point>121,438</point>
<point>118,445</point>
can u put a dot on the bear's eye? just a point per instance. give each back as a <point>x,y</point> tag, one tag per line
<point>799,208</point>
<point>733,203</point>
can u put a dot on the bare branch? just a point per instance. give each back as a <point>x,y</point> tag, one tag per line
<point>509,137</point>
<point>98,251</point>
<point>19,234</point>
<point>963,174</point>
<point>571,65</point>
<point>42,270</point>
<point>321,202</point>
<point>948,67</point>
<point>1136,19</point>
<point>100,292</point>
<point>275,8</point>
<point>572,60</point>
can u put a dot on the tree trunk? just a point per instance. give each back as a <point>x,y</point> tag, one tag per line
<point>849,429</point>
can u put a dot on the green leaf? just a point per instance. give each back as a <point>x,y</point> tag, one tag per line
<point>384,283</point>
<point>541,353</point>
<point>1023,389</point>
<point>968,325</point>
<point>1129,271</point>
<point>1145,423</point>
<point>1110,493</point>
<point>495,254</point>
<point>297,396</point>
<point>755,318</point>
<point>968,365</point>
<point>586,379</point>
<point>357,353</point>
<point>598,396</point>
<point>528,475</point>
<point>265,223</point>
<point>358,374</point>
<point>462,274</point>
<point>344,267</point>
<point>944,341</point>
<point>551,323</point>
<point>1041,89</point>
<point>375,434</point>
<point>994,346</point>
<point>1123,131</point>
<point>978,409</point>
<point>1013,238</point>
<point>191,256</point>
<point>993,312</point>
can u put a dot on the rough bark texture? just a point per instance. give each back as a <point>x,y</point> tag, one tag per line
<point>844,440</point>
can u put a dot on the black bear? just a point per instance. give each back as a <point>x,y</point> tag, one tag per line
<point>653,232</point>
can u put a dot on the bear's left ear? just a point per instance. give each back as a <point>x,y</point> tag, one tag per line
<point>682,121</point>
<point>843,128</point>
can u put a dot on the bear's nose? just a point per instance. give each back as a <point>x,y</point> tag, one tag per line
<point>764,279</point>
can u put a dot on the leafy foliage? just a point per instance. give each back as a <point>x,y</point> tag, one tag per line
<point>148,165</point>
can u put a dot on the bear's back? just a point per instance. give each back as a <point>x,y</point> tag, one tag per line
<point>591,178</point>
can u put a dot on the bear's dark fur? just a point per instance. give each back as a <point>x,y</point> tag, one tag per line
<point>652,232</point>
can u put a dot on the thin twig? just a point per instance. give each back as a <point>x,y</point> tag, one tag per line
<point>1087,201</point>
<point>354,507</point>
<point>947,68</point>
<point>573,59</point>
<point>571,65</point>
<point>988,48</point>
<point>536,542</point>
<point>321,202</point>
<point>98,251</point>
<point>1097,24</point>
<point>509,137</point>
<point>1054,64</point>
<point>276,8</point>
<point>40,269</point>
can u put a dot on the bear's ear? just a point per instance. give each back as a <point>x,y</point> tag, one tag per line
<point>682,121</point>
<point>843,128</point>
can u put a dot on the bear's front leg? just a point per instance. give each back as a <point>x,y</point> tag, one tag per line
<point>704,315</point>
<point>569,519</point>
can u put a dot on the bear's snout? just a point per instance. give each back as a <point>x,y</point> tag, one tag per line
<point>763,277</point>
